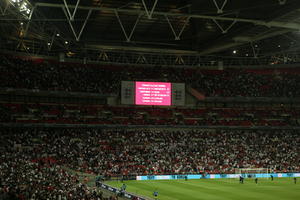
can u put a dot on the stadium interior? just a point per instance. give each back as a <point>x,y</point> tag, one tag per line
<point>163,97</point>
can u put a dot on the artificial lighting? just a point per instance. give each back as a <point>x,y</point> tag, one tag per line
<point>234,52</point>
<point>247,54</point>
<point>49,43</point>
<point>279,46</point>
<point>21,23</point>
<point>66,42</point>
<point>23,6</point>
<point>57,35</point>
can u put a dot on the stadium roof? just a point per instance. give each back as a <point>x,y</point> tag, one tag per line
<point>239,28</point>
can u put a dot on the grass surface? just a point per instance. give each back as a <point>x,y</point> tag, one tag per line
<point>215,189</point>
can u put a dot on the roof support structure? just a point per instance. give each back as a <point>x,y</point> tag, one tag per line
<point>281,2</point>
<point>222,29</point>
<point>138,16</point>
<point>237,41</point>
<point>49,45</point>
<point>278,24</point>
<point>165,59</point>
<point>71,16</point>
<point>3,11</point>
<point>103,56</point>
<point>140,49</point>
<point>83,26</point>
<point>133,58</point>
<point>28,23</point>
<point>149,14</point>
<point>179,60</point>
<point>128,37</point>
<point>255,51</point>
<point>141,60</point>
<point>177,36</point>
<point>220,9</point>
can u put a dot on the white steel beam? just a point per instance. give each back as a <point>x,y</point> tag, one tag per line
<point>149,14</point>
<point>103,56</point>
<point>3,11</point>
<point>83,26</point>
<point>141,59</point>
<point>128,37</point>
<point>52,41</point>
<point>220,9</point>
<point>139,49</point>
<point>179,60</point>
<point>222,29</point>
<point>255,51</point>
<point>71,16</point>
<point>177,36</point>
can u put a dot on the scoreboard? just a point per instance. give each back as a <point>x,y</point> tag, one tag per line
<point>152,93</point>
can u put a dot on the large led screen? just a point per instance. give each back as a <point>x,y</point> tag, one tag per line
<point>153,93</point>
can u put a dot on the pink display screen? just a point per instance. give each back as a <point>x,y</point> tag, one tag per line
<point>153,93</point>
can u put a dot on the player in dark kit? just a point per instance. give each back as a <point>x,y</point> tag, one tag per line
<point>155,194</point>
<point>241,180</point>
<point>272,178</point>
<point>295,180</point>
<point>185,178</point>
<point>256,180</point>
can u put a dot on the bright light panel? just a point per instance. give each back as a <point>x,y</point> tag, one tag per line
<point>23,5</point>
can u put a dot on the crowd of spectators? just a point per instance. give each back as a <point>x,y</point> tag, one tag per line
<point>29,156</point>
<point>84,114</point>
<point>50,75</point>
<point>22,178</point>
<point>44,163</point>
<point>26,74</point>
<point>27,171</point>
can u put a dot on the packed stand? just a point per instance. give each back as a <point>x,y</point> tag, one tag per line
<point>43,154</point>
<point>23,178</point>
<point>124,115</point>
<point>55,76</point>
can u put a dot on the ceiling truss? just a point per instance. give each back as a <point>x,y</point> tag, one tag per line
<point>179,58</point>
<point>291,25</point>
<point>177,35</point>
<point>138,58</point>
<point>149,13</point>
<point>128,37</point>
<point>220,8</point>
<point>70,17</point>
<point>3,10</point>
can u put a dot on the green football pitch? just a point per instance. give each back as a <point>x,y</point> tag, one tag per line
<point>215,189</point>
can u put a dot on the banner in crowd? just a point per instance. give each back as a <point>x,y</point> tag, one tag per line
<point>199,96</point>
<point>215,176</point>
<point>118,191</point>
